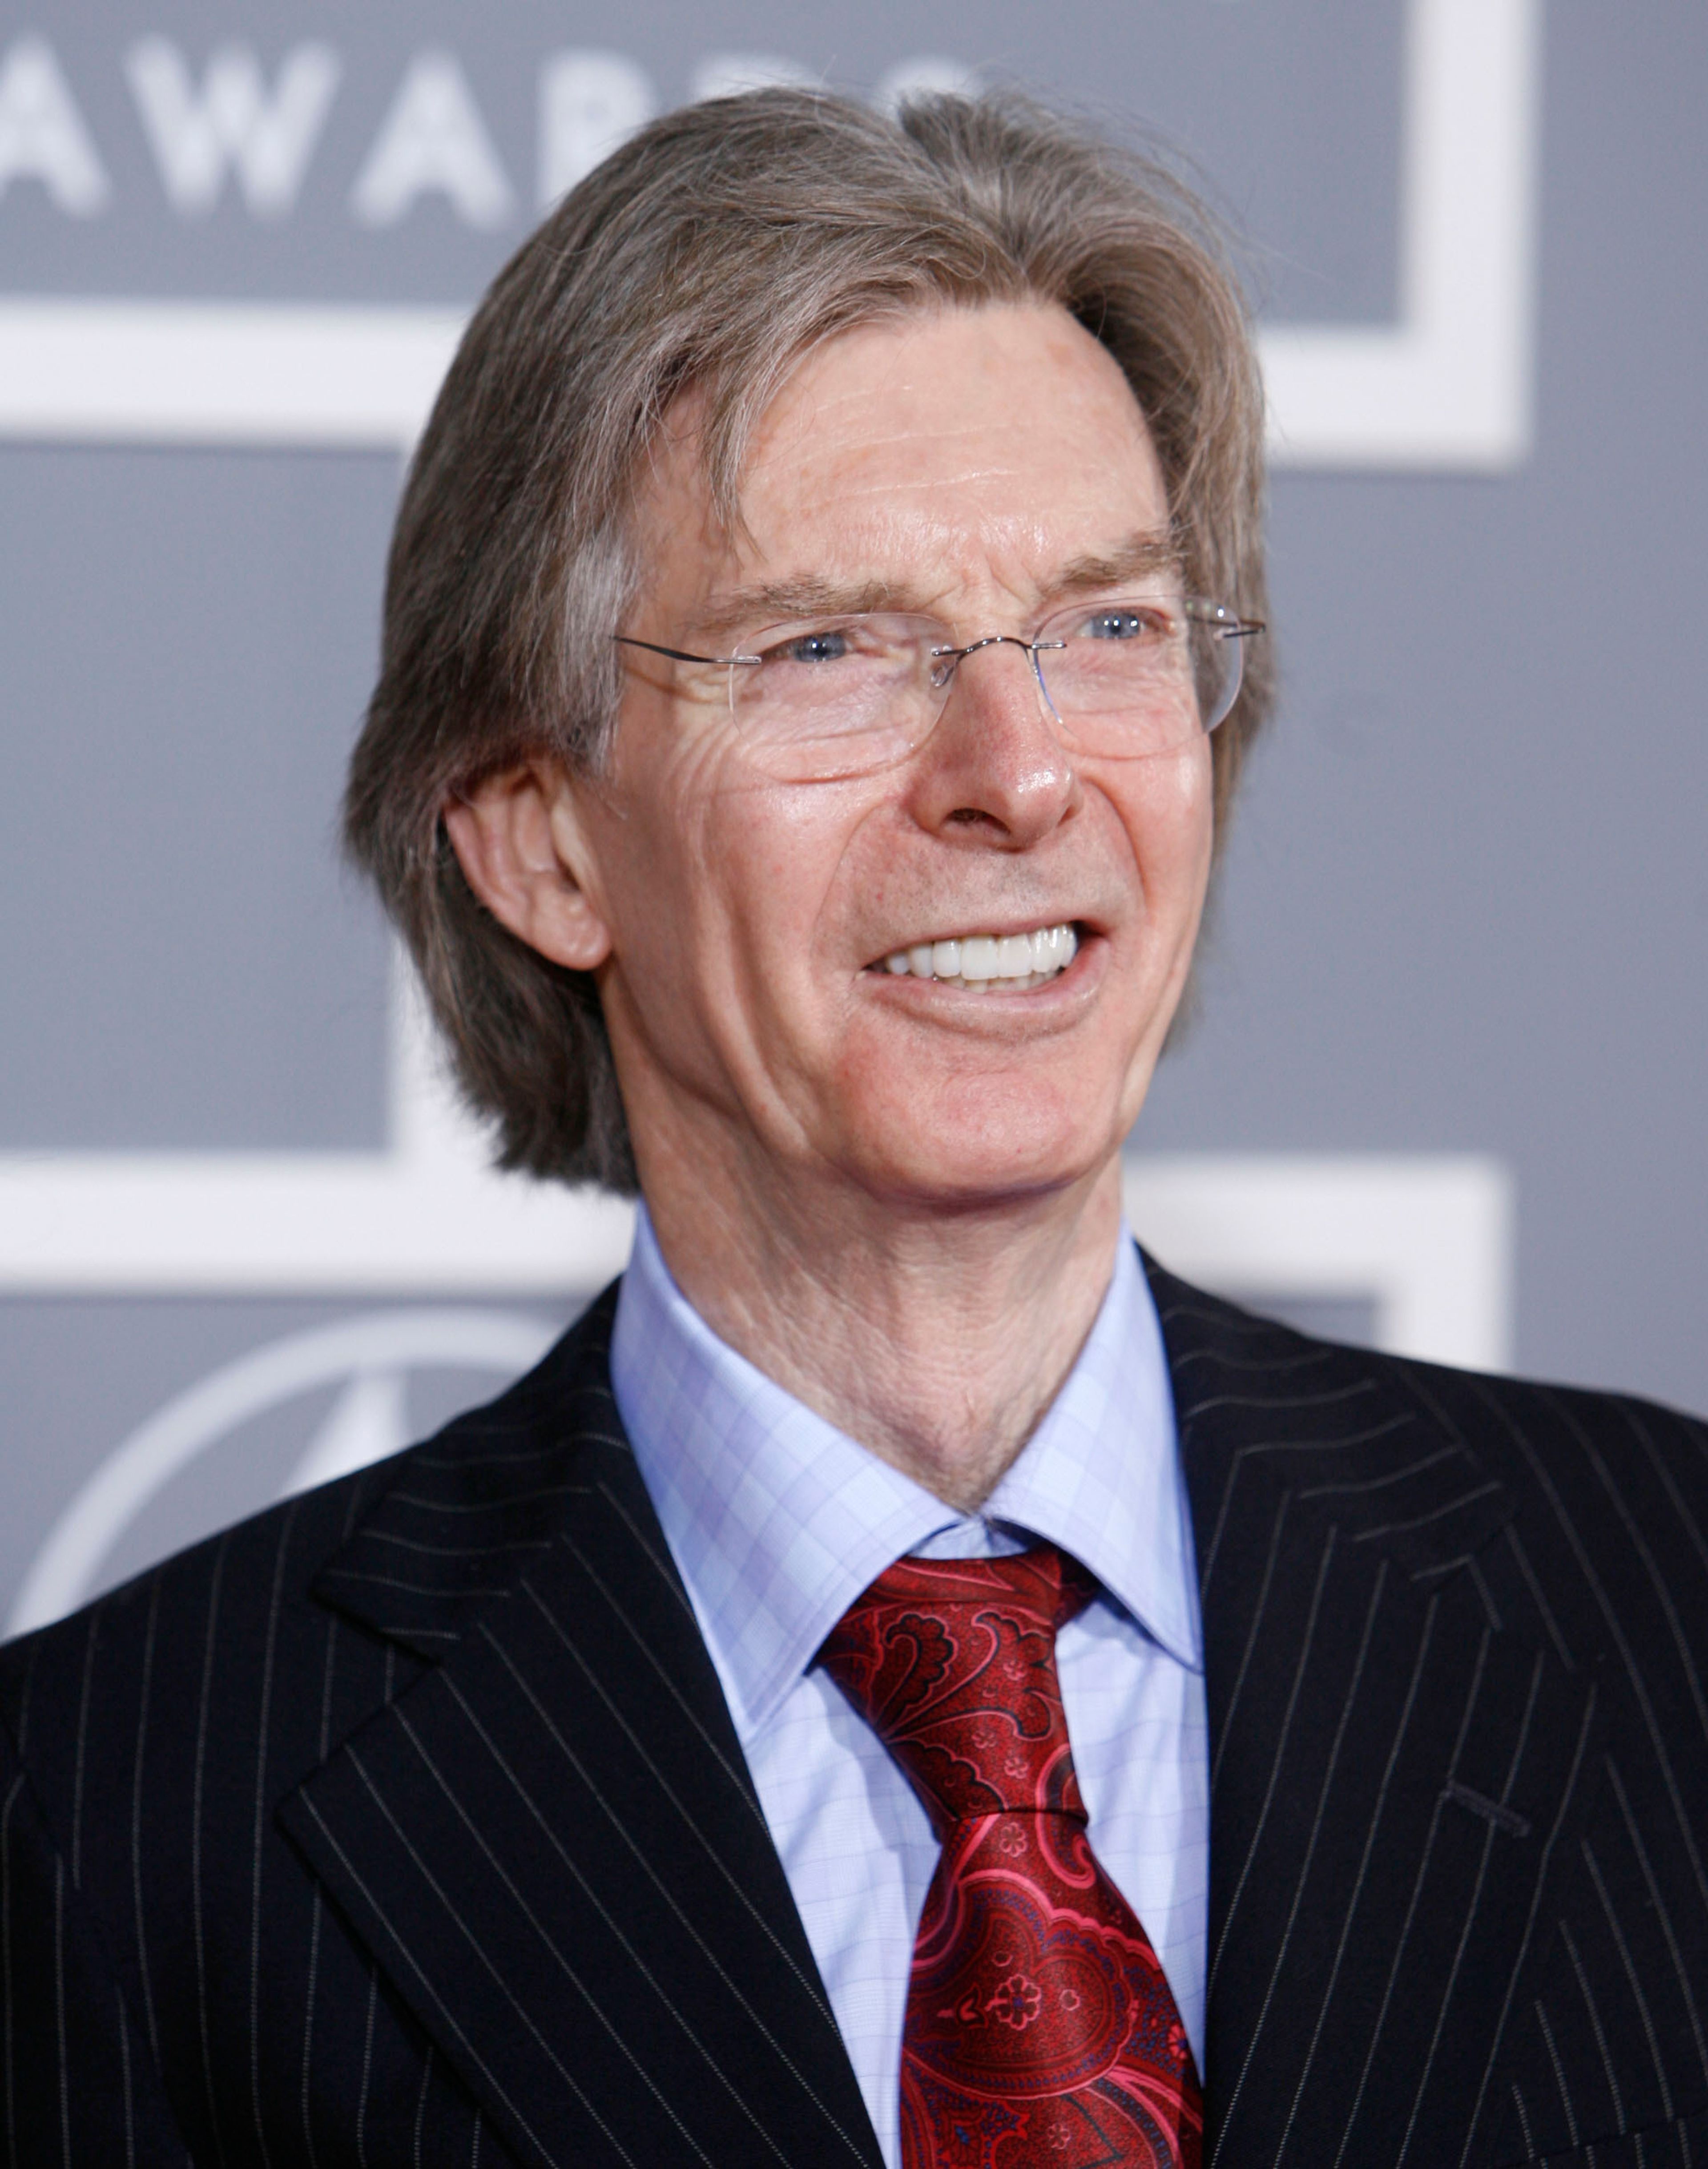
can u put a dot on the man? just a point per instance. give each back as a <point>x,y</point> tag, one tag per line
<point>904,1682</point>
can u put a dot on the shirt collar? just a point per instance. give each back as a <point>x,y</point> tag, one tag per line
<point>777,1520</point>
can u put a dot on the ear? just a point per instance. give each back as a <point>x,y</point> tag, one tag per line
<point>520,840</point>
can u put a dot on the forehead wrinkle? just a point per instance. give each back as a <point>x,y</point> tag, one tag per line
<point>973,457</point>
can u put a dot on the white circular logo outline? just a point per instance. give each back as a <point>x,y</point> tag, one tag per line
<point>104,1506</point>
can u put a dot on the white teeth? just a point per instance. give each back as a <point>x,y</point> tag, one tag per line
<point>1015,956</point>
<point>1013,962</point>
<point>1047,944</point>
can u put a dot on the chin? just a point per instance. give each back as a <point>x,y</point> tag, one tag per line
<point>1004,1159</point>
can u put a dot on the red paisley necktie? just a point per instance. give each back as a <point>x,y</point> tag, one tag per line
<point>1040,2031</point>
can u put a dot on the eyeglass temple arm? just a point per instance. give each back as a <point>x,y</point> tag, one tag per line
<point>678,655</point>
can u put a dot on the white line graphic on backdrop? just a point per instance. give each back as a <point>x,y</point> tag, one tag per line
<point>1448,388</point>
<point>371,1355</point>
<point>429,1215</point>
<point>1426,1238</point>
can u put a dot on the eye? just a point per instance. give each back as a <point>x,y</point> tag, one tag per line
<point>1122,622</point>
<point>830,645</point>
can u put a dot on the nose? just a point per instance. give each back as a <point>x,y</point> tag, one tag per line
<point>995,765</point>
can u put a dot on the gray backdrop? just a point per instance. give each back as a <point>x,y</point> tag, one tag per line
<point>1465,906</point>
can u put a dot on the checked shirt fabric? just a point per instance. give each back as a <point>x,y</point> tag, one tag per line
<point>1040,2030</point>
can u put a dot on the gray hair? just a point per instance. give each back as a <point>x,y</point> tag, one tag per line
<point>710,253</point>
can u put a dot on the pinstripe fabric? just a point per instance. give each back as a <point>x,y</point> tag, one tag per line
<point>406,1822</point>
<point>1454,1633</point>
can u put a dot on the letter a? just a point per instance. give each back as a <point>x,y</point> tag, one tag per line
<point>42,135</point>
<point>433,137</point>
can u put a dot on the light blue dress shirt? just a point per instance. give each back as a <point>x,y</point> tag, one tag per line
<point>777,1520</point>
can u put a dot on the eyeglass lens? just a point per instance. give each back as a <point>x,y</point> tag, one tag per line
<point>1122,679</point>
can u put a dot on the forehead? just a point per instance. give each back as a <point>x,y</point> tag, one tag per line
<point>961,450</point>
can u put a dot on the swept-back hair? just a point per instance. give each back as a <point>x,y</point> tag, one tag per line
<point>710,253</point>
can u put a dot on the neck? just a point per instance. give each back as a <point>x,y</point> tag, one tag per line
<point>937,1338</point>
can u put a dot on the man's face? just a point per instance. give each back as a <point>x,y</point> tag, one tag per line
<point>960,465</point>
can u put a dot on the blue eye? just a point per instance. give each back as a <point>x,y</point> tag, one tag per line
<point>1117,624</point>
<point>814,647</point>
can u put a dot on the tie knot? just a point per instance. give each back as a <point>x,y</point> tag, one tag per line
<point>952,1662</point>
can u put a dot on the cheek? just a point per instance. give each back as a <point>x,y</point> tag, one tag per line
<point>1166,806</point>
<point>772,865</point>
<point>728,882</point>
<point>655,861</point>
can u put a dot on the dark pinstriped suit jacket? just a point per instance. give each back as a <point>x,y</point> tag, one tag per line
<point>405,1824</point>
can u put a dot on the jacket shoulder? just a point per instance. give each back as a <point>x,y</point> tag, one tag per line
<point>1504,1414</point>
<point>1589,1535</point>
<point>1498,1405</point>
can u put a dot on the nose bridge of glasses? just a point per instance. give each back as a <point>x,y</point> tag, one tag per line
<point>946,661</point>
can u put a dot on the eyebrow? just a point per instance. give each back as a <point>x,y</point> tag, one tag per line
<point>810,595</point>
<point>777,601</point>
<point>1142,557</point>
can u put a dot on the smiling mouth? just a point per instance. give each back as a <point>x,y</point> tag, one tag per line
<point>988,964</point>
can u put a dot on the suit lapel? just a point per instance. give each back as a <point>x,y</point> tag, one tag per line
<point>1389,1774</point>
<point>550,1840</point>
